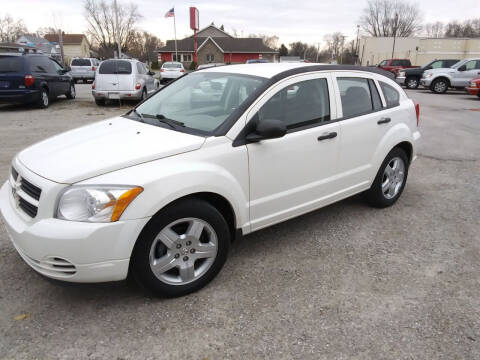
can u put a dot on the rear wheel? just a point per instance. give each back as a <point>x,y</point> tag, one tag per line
<point>181,249</point>
<point>412,82</point>
<point>71,93</point>
<point>390,180</point>
<point>439,86</point>
<point>44,100</point>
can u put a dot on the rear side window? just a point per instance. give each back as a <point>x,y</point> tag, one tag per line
<point>115,67</point>
<point>301,104</point>
<point>141,68</point>
<point>356,96</point>
<point>392,97</point>
<point>11,64</point>
<point>41,64</point>
<point>81,62</point>
<point>377,102</point>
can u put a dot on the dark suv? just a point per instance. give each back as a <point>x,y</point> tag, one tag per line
<point>33,78</point>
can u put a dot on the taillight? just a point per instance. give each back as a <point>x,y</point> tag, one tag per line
<point>182,70</point>
<point>161,70</point>
<point>28,80</point>
<point>93,85</point>
<point>138,86</point>
<point>93,68</point>
<point>417,111</point>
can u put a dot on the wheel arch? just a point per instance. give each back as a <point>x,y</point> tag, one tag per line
<point>444,77</point>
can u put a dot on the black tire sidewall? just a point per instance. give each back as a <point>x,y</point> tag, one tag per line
<point>140,266</point>
<point>69,94</point>
<point>40,101</point>
<point>375,195</point>
<point>410,78</point>
<point>437,81</point>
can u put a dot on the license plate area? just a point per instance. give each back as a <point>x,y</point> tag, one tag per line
<point>113,95</point>
<point>4,84</point>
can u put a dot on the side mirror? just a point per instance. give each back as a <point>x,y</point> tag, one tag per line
<point>267,129</point>
<point>462,68</point>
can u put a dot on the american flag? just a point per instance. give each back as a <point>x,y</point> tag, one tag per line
<point>170,13</point>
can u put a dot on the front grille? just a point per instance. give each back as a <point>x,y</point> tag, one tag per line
<point>28,208</point>
<point>21,188</point>
<point>31,189</point>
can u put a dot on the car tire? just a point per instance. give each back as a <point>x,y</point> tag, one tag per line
<point>478,94</point>
<point>179,269</point>
<point>144,95</point>
<point>71,93</point>
<point>44,100</point>
<point>439,86</point>
<point>390,180</point>
<point>412,82</point>
<point>100,102</point>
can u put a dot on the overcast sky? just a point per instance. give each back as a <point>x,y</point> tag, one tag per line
<point>307,20</point>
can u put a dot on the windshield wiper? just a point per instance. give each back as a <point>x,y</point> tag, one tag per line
<point>142,119</point>
<point>170,122</point>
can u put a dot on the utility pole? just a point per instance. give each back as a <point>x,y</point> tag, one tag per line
<point>60,42</point>
<point>357,45</point>
<point>117,33</point>
<point>395,33</point>
<point>318,52</point>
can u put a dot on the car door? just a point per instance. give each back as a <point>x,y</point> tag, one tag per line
<point>296,173</point>
<point>43,70</point>
<point>472,70</point>
<point>149,79</point>
<point>364,120</point>
<point>63,78</point>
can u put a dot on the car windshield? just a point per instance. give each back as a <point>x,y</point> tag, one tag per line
<point>458,64</point>
<point>172,66</point>
<point>10,64</point>
<point>80,62</point>
<point>201,101</point>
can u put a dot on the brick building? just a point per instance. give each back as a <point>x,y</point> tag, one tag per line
<point>216,46</point>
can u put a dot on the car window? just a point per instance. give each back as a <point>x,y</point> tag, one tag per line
<point>11,64</point>
<point>383,63</point>
<point>115,67</point>
<point>56,65</point>
<point>306,102</point>
<point>449,63</point>
<point>471,65</point>
<point>80,62</point>
<point>41,64</point>
<point>355,95</point>
<point>377,102</point>
<point>396,62</point>
<point>140,68</point>
<point>437,64</point>
<point>202,100</point>
<point>392,97</point>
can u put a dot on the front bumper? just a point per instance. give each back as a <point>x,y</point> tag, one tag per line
<point>67,250</point>
<point>473,91</point>
<point>425,82</point>
<point>400,80</point>
<point>117,94</point>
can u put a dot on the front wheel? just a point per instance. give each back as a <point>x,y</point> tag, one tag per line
<point>71,93</point>
<point>412,82</point>
<point>439,86</point>
<point>181,249</point>
<point>390,180</point>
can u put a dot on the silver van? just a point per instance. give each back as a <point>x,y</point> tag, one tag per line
<point>83,69</point>
<point>124,79</point>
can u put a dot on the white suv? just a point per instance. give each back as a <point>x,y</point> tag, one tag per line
<point>161,192</point>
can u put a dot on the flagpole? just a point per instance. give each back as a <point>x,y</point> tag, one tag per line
<point>175,30</point>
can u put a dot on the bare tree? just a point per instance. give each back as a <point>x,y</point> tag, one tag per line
<point>434,30</point>
<point>469,28</point>
<point>391,18</point>
<point>10,29</point>
<point>270,41</point>
<point>335,43</point>
<point>100,17</point>
<point>143,45</point>
<point>42,31</point>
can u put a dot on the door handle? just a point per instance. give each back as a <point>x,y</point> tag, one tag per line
<point>385,120</point>
<point>327,136</point>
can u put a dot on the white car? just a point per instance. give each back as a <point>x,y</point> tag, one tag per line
<point>124,79</point>
<point>83,69</point>
<point>171,70</point>
<point>160,192</point>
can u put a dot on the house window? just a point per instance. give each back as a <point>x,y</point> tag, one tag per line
<point>176,57</point>
<point>210,58</point>
<point>187,57</point>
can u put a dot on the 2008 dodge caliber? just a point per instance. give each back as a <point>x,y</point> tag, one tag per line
<point>160,193</point>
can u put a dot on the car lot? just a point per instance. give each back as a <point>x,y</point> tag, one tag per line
<point>347,281</point>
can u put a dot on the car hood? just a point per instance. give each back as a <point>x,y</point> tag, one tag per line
<point>439,70</point>
<point>103,147</point>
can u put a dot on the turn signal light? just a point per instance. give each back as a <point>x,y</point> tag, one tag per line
<point>417,111</point>
<point>161,70</point>
<point>28,80</point>
<point>182,70</point>
<point>93,68</point>
<point>138,86</point>
<point>93,85</point>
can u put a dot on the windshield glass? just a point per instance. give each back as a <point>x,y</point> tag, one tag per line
<point>80,62</point>
<point>200,101</point>
<point>172,66</point>
<point>458,64</point>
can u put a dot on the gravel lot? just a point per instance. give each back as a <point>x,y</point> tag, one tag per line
<point>347,281</point>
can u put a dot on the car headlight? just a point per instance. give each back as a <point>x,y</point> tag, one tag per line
<point>95,203</point>
<point>429,75</point>
<point>473,84</point>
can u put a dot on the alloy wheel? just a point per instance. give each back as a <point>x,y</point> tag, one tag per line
<point>393,177</point>
<point>412,83</point>
<point>183,251</point>
<point>45,98</point>
<point>440,86</point>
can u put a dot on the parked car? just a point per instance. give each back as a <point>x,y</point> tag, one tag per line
<point>256,61</point>
<point>160,192</point>
<point>458,76</point>
<point>123,79</point>
<point>171,70</point>
<point>395,65</point>
<point>474,87</point>
<point>411,77</point>
<point>83,69</point>
<point>33,78</point>
<point>209,65</point>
